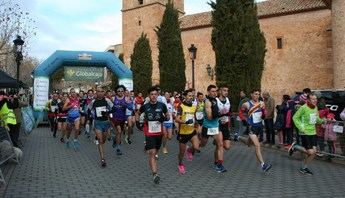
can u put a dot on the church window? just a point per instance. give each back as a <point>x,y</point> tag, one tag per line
<point>139,22</point>
<point>141,2</point>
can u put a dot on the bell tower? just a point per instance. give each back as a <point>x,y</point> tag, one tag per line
<point>143,16</point>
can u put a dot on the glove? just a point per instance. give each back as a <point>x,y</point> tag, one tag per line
<point>190,121</point>
<point>139,125</point>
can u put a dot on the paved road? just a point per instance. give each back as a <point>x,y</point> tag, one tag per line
<point>49,169</point>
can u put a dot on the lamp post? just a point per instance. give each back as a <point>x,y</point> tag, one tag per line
<point>210,71</point>
<point>18,53</point>
<point>192,55</point>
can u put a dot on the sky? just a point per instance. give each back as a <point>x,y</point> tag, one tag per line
<point>90,25</point>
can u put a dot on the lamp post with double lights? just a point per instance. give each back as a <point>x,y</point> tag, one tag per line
<point>18,53</point>
<point>192,55</point>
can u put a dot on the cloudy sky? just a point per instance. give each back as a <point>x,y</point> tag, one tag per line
<point>81,25</point>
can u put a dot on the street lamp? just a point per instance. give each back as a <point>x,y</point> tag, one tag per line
<point>210,71</point>
<point>192,55</point>
<point>17,50</point>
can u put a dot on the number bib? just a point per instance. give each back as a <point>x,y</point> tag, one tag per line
<point>53,108</point>
<point>99,111</point>
<point>155,127</point>
<point>190,117</point>
<point>212,131</point>
<point>199,115</point>
<point>128,112</point>
<point>338,129</point>
<point>224,119</point>
<point>312,118</point>
<point>257,117</point>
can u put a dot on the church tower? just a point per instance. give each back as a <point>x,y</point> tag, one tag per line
<point>143,16</point>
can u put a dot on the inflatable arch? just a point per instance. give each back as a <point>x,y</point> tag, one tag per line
<point>61,58</point>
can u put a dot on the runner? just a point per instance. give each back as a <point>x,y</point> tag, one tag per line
<point>101,107</point>
<point>155,114</point>
<point>72,105</point>
<point>200,112</point>
<point>89,117</point>
<point>52,108</point>
<point>252,114</point>
<point>82,98</point>
<point>168,125</point>
<point>62,117</point>
<point>130,119</point>
<point>211,127</point>
<point>186,118</point>
<point>121,103</point>
<point>224,121</point>
<point>305,120</point>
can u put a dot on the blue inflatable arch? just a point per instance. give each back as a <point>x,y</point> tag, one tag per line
<point>82,58</point>
<point>76,58</point>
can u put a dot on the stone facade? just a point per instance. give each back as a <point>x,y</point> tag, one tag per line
<point>305,59</point>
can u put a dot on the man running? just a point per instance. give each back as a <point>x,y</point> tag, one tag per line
<point>52,108</point>
<point>199,115</point>
<point>186,118</point>
<point>305,120</point>
<point>121,103</point>
<point>101,107</point>
<point>88,116</point>
<point>155,113</point>
<point>168,125</point>
<point>252,114</point>
<point>130,119</point>
<point>224,121</point>
<point>72,105</point>
<point>211,127</point>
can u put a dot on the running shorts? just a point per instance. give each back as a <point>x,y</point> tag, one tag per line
<point>102,126</point>
<point>308,141</point>
<point>224,128</point>
<point>153,142</point>
<point>183,139</point>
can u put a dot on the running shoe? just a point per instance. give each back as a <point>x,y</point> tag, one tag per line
<point>220,168</point>
<point>189,154</point>
<point>181,169</point>
<point>156,178</point>
<point>308,171</point>
<point>114,143</point>
<point>129,141</point>
<point>103,163</point>
<point>236,137</point>
<point>266,167</point>
<point>118,152</point>
<point>292,149</point>
<point>303,171</point>
<point>156,156</point>
<point>62,140</point>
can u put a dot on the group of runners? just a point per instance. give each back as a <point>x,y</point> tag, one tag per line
<point>195,119</point>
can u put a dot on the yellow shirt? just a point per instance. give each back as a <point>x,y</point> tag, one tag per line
<point>187,114</point>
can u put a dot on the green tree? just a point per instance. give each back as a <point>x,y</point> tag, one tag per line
<point>141,64</point>
<point>171,60</point>
<point>239,46</point>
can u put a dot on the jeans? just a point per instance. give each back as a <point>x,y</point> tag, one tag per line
<point>270,134</point>
<point>321,143</point>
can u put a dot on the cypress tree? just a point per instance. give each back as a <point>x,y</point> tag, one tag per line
<point>141,64</point>
<point>239,46</point>
<point>171,60</point>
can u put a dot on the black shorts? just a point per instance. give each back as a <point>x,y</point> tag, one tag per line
<point>61,119</point>
<point>224,128</point>
<point>255,130</point>
<point>200,122</point>
<point>153,142</point>
<point>82,114</point>
<point>183,139</point>
<point>308,141</point>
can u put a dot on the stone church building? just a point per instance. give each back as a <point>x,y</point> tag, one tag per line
<point>305,42</point>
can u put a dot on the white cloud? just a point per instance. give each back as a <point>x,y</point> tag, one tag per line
<point>104,24</point>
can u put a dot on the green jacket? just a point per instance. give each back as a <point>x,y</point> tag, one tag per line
<point>305,119</point>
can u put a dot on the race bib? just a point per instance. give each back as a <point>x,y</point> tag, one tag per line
<point>53,108</point>
<point>212,131</point>
<point>224,119</point>
<point>257,117</point>
<point>199,115</point>
<point>312,118</point>
<point>338,129</point>
<point>190,117</point>
<point>128,112</point>
<point>155,127</point>
<point>99,111</point>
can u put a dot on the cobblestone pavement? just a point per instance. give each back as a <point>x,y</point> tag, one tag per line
<point>49,169</point>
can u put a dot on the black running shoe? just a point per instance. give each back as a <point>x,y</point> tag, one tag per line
<point>303,171</point>
<point>292,149</point>
<point>308,171</point>
<point>156,178</point>
<point>103,163</point>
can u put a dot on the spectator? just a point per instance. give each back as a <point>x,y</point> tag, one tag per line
<point>8,118</point>
<point>342,137</point>
<point>330,135</point>
<point>304,95</point>
<point>240,128</point>
<point>269,104</point>
<point>320,130</point>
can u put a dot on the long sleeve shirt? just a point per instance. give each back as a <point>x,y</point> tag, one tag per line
<point>305,120</point>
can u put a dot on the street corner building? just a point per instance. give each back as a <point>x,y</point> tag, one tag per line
<point>305,41</point>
